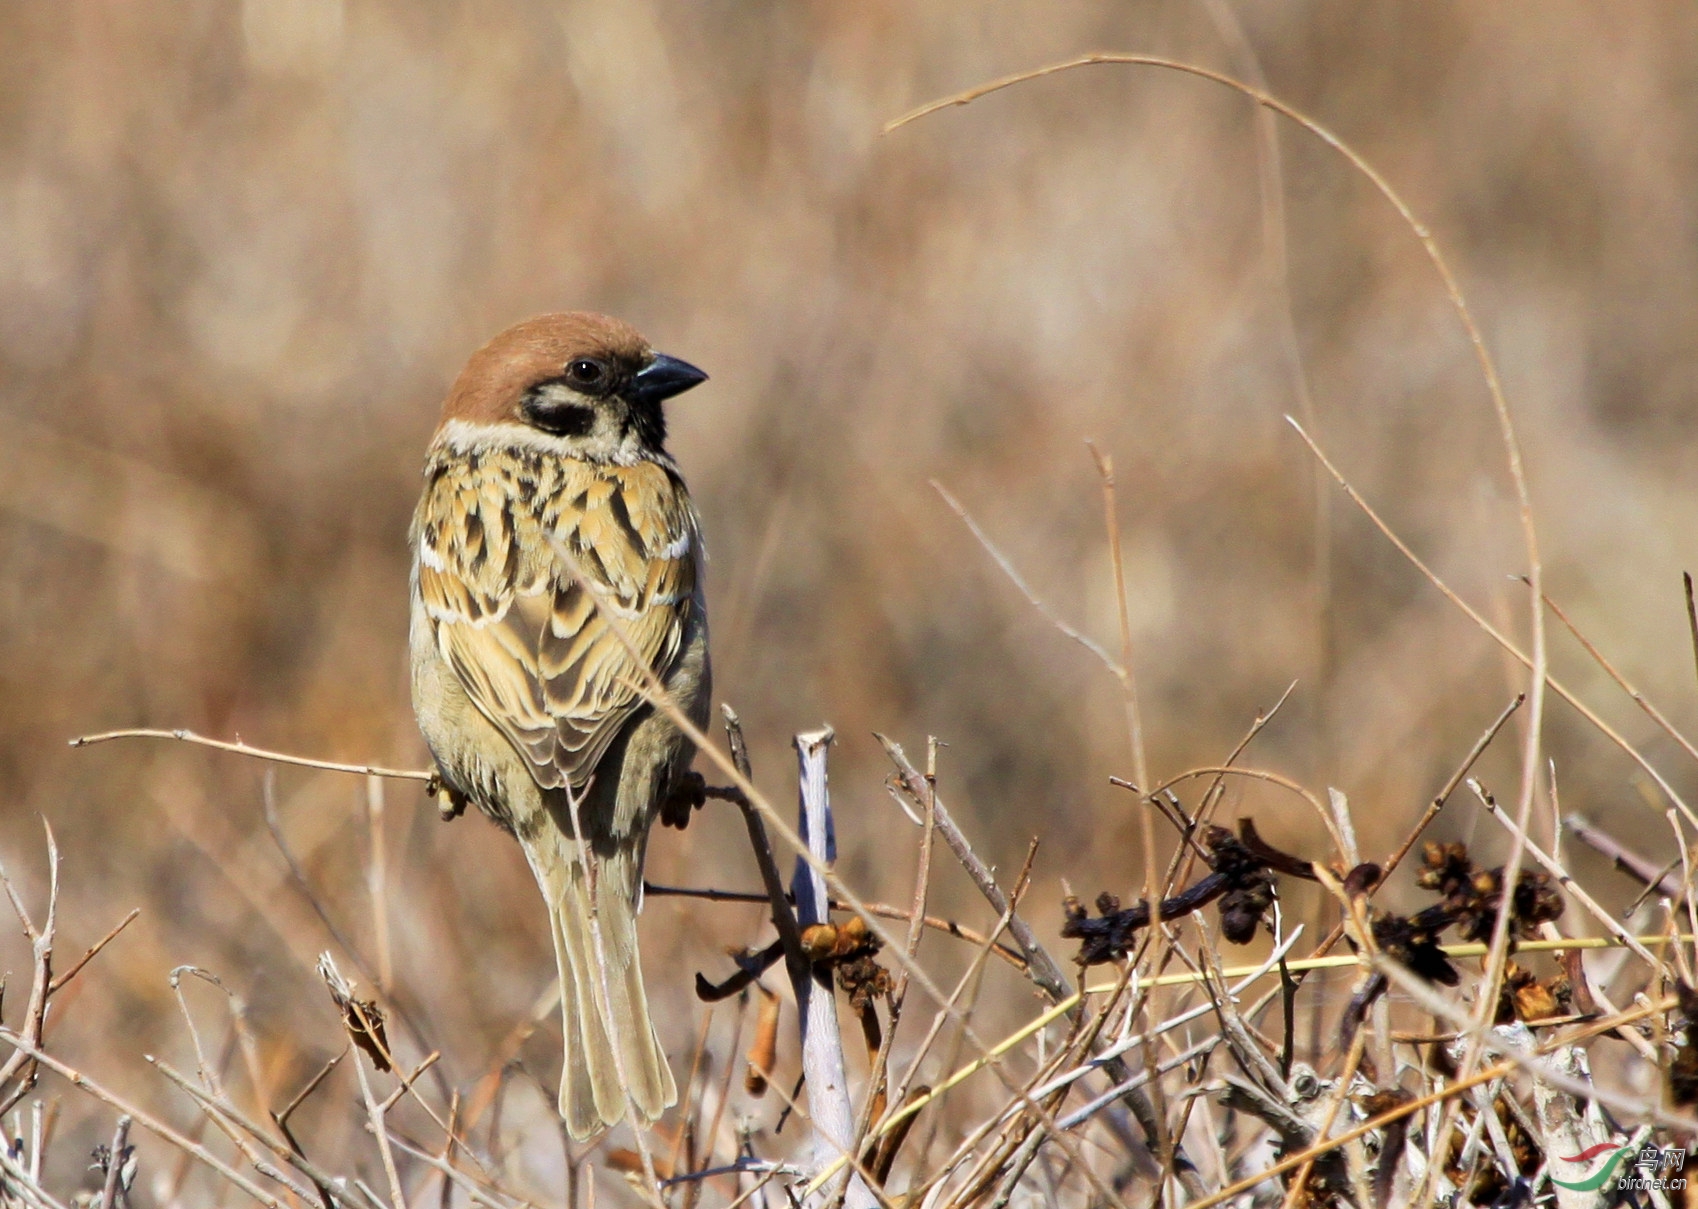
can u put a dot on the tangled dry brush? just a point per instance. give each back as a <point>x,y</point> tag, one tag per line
<point>1318,1027</point>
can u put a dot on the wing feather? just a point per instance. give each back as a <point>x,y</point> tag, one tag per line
<point>496,540</point>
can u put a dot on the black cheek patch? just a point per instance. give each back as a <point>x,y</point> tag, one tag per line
<point>560,419</point>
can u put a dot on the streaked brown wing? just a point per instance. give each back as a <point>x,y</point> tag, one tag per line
<point>522,634</point>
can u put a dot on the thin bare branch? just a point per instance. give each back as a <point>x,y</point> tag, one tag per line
<point>115,1164</point>
<point>159,1129</point>
<point>258,753</point>
<point>1492,632</point>
<point>1041,968</point>
<point>94,951</point>
<point>20,1065</point>
<point>1019,581</point>
<point>938,923</point>
<point>398,1199</point>
<point>1555,869</point>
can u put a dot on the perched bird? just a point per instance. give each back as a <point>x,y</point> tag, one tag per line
<point>548,489</point>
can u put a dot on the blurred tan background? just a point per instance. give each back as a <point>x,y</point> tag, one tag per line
<point>244,246</point>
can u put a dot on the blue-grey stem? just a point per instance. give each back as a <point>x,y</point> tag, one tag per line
<point>822,1042</point>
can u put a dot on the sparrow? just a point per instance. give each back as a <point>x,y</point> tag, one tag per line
<point>551,512</point>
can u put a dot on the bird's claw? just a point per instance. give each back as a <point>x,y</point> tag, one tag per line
<point>450,802</point>
<point>687,795</point>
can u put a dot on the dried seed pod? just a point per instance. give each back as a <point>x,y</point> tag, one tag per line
<point>1413,940</point>
<point>819,941</point>
<point>863,979</point>
<point>763,1051</point>
<point>630,1163</point>
<point>361,1017</point>
<point>1240,878</point>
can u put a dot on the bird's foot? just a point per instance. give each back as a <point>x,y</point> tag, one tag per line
<point>687,795</point>
<point>450,802</point>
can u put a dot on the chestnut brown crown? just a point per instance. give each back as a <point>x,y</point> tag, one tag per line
<point>564,372</point>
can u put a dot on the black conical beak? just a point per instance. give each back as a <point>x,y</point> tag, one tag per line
<point>662,378</point>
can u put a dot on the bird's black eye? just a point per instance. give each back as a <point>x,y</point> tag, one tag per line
<point>586,372</point>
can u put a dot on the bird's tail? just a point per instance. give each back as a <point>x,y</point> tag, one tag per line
<point>603,1005</point>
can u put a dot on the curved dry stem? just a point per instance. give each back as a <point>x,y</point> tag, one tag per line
<point>1492,631</point>
<point>1500,406</point>
<point>1270,176</point>
<point>1512,444</point>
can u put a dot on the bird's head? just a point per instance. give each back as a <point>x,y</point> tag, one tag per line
<point>590,383</point>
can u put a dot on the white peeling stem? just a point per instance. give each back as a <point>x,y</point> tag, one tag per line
<point>1567,1130</point>
<point>822,1042</point>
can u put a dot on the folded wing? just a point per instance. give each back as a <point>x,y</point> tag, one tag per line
<point>507,566</point>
